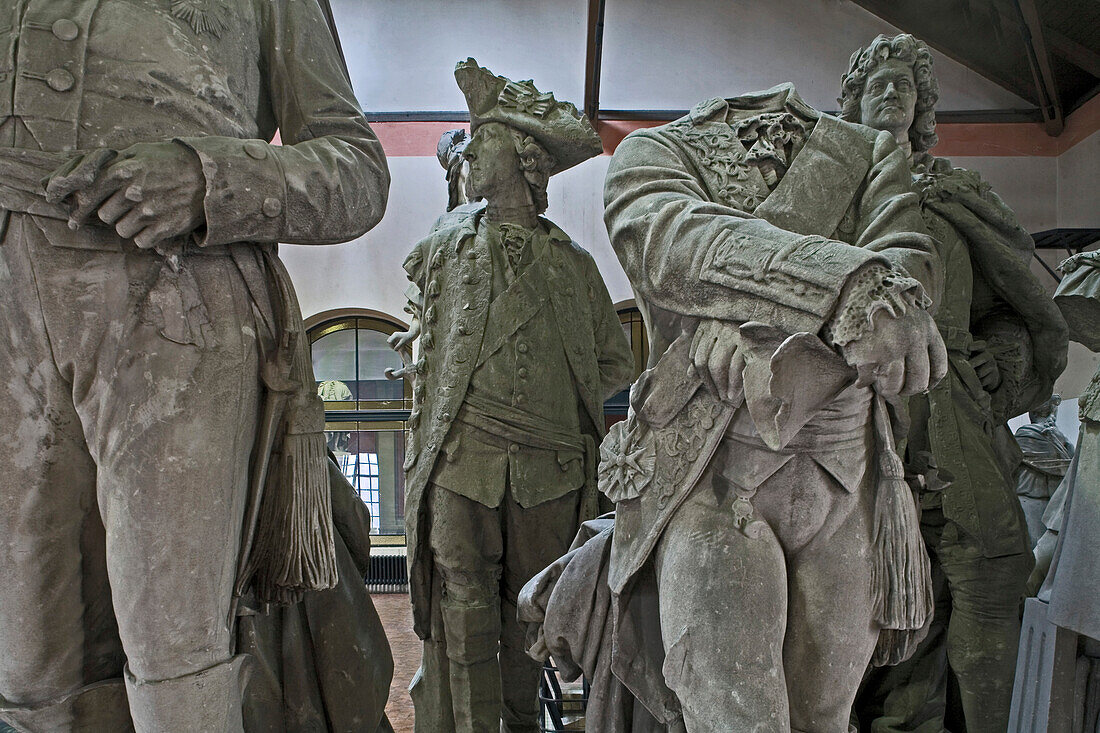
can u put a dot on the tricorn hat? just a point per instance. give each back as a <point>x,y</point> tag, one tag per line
<point>557,126</point>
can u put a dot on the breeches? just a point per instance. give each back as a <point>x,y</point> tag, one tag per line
<point>482,558</point>
<point>123,467</point>
<point>769,633</point>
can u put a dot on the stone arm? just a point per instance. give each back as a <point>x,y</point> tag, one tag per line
<point>691,256</point>
<point>613,354</point>
<point>889,220</point>
<point>415,266</point>
<point>328,181</point>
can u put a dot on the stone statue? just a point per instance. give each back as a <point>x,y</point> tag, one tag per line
<point>1058,670</point>
<point>1047,454</point>
<point>1006,344</point>
<point>449,152</point>
<point>519,347</point>
<point>765,545</point>
<point>151,342</point>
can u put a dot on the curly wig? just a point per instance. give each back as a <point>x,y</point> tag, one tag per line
<point>536,164</point>
<point>909,50</point>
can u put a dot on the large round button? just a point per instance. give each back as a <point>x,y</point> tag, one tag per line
<point>272,207</point>
<point>60,80</point>
<point>513,449</point>
<point>521,347</point>
<point>65,29</point>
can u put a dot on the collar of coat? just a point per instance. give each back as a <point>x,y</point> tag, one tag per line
<point>780,97</point>
<point>462,223</point>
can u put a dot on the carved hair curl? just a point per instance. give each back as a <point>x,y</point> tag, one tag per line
<point>909,50</point>
<point>536,164</point>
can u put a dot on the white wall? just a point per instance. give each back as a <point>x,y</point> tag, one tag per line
<point>661,54</point>
<point>657,55</point>
<point>367,273</point>
<point>1078,171</point>
<point>402,53</point>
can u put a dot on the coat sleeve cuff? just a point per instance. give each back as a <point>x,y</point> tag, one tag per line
<point>245,199</point>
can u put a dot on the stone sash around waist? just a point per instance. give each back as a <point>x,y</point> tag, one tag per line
<point>513,425</point>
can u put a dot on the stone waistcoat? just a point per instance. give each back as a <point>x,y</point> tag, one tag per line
<point>219,78</point>
<point>529,372</point>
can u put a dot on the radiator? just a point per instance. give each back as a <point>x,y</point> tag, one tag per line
<point>388,574</point>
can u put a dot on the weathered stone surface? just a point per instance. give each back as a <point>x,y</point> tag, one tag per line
<point>756,464</point>
<point>519,347</point>
<point>1047,454</point>
<point>151,343</point>
<point>1006,344</point>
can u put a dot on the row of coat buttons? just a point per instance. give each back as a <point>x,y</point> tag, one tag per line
<point>60,80</point>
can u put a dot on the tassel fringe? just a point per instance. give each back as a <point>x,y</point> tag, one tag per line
<point>901,576</point>
<point>295,551</point>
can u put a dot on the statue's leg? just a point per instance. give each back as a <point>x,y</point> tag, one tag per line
<point>60,656</point>
<point>430,689</point>
<point>467,547</point>
<point>723,604</point>
<point>826,531</point>
<point>911,697</point>
<point>171,426</point>
<point>984,631</point>
<point>534,538</point>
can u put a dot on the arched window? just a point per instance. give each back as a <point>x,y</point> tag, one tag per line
<point>365,412</point>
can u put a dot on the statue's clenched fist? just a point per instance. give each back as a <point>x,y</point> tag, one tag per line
<point>900,355</point>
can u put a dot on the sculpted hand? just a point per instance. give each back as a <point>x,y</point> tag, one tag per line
<point>400,340</point>
<point>985,366</point>
<point>715,355</point>
<point>149,193</point>
<point>900,355</point>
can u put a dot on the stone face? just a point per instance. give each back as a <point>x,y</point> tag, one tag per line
<point>165,347</point>
<point>519,347</point>
<point>1006,344</point>
<point>757,458</point>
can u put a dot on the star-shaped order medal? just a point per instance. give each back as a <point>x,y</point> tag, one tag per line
<point>205,16</point>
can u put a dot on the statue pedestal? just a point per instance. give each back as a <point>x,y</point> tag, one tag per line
<point>1043,695</point>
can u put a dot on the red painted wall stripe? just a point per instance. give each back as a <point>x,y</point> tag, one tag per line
<point>410,139</point>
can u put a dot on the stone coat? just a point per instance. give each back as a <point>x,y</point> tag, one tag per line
<point>452,269</point>
<point>92,74</point>
<point>990,295</point>
<point>676,213</point>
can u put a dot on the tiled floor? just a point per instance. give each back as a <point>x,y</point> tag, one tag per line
<point>396,614</point>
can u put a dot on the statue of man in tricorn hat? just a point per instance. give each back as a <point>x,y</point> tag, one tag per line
<point>519,347</point>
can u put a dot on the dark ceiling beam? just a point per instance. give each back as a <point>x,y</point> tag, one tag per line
<point>1038,58</point>
<point>1082,57</point>
<point>915,18</point>
<point>593,60</point>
